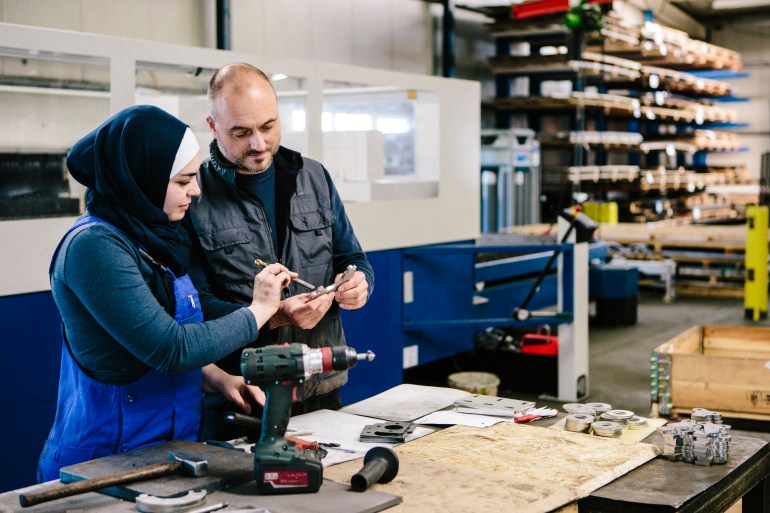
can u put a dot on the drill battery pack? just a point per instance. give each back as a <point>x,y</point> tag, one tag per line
<point>302,475</point>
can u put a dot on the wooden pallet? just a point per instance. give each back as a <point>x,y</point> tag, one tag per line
<point>733,236</point>
<point>656,45</point>
<point>620,106</point>
<point>685,413</point>
<point>710,259</point>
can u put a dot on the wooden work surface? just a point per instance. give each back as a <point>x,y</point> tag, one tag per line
<point>507,467</point>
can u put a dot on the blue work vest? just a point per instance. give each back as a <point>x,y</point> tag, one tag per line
<point>95,419</point>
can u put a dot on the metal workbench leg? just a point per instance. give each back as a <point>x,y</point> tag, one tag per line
<point>757,500</point>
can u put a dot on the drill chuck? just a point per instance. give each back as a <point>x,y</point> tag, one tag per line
<point>296,362</point>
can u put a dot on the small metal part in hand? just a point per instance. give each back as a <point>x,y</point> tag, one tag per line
<point>368,356</point>
<point>346,275</point>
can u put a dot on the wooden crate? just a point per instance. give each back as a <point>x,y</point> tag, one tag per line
<point>720,368</point>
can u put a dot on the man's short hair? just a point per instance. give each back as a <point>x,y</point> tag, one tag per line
<point>236,74</point>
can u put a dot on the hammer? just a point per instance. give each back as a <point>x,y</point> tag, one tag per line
<point>189,465</point>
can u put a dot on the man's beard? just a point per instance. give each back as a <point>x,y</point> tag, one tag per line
<point>241,164</point>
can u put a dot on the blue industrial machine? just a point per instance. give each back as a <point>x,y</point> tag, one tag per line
<point>438,297</point>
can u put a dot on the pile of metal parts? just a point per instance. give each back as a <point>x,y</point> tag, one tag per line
<point>600,419</point>
<point>702,439</point>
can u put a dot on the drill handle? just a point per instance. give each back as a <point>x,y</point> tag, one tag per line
<point>279,398</point>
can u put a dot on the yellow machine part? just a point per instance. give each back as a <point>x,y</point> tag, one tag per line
<point>602,212</point>
<point>755,288</point>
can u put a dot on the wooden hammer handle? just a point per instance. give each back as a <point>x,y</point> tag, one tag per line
<point>97,483</point>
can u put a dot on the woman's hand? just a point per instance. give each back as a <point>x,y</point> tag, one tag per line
<point>232,387</point>
<point>266,297</point>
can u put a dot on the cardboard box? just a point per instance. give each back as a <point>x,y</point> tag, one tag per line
<point>720,368</point>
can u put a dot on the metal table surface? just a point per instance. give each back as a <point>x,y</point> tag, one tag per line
<point>666,486</point>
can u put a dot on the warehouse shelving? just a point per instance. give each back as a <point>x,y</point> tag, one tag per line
<point>647,80</point>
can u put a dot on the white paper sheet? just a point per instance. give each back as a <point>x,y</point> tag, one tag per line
<point>342,428</point>
<point>452,418</point>
<point>406,402</point>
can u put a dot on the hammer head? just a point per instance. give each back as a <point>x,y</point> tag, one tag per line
<point>191,465</point>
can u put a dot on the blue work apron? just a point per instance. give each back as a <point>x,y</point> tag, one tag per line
<point>95,419</point>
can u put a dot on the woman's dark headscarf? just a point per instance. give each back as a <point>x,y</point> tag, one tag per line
<point>126,164</point>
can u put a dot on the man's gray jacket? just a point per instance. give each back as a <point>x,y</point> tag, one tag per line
<point>314,236</point>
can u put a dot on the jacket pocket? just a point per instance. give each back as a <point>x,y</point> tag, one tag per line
<point>214,240</point>
<point>229,255</point>
<point>312,231</point>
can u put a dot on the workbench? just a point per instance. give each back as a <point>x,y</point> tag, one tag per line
<point>439,482</point>
<point>663,486</point>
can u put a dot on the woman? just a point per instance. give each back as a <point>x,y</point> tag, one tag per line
<point>133,338</point>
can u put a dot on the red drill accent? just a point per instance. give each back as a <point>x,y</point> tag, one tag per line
<point>326,358</point>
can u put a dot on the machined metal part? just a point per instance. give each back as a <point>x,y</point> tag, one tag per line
<point>607,429</point>
<point>701,440</point>
<point>578,422</point>
<point>490,405</point>
<point>151,504</point>
<point>346,275</point>
<point>208,509</point>
<point>620,416</point>
<point>391,432</point>
<point>599,408</point>
<point>704,415</point>
<point>636,422</point>
<point>578,408</point>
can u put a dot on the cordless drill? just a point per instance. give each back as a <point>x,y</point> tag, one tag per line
<point>279,466</point>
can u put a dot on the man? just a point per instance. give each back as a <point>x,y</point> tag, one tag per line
<point>262,201</point>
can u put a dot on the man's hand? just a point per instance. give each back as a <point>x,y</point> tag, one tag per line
<point>353,293</point>
<point>232,387</point>
<point>302,311</point>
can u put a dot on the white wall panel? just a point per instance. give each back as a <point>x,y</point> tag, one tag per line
<point>410,29</point>
<point>750,39</point>
<point>167,15</point>
<point>332,31</point>
<point>383,34</point>
<point>121,19</point>
<point>248,20</point>
<point>755,112</point>
<point>287,28</point>
<point>372,37</point>
<point>47,121</point>
<point>62,14</point>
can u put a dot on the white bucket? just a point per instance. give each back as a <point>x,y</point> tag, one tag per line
<point>484,383</point>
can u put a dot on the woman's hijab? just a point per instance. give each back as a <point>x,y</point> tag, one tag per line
<point>126,163</point>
